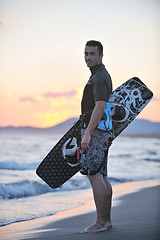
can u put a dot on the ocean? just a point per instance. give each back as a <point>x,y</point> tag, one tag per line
<point>24,196</point>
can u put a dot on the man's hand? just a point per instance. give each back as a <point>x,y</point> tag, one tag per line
<point>95,118</point>
<point>85,141</point>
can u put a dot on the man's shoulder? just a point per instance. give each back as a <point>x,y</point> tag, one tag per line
<point>103,71</point>
<point>101,74</point>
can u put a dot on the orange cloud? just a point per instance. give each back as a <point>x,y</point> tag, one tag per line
<point>68,94</point>
<point>4,22</point>
<point>47,95</point>
<point>27,99</point>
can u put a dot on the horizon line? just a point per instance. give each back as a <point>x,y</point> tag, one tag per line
<point>31,126</point>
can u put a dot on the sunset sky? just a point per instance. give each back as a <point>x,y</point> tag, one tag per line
<point>42,68</point>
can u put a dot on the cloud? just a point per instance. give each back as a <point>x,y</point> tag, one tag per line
<point>48,95</point>
<point>27,99</point>
<point>68,94</point>
<point>4,22</point>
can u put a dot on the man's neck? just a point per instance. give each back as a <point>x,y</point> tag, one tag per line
<point>94,68</point>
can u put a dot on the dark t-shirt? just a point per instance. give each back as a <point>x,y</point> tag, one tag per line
<point>98,88</point>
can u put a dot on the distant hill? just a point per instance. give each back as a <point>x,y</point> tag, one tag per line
<point>141,127</point>
<point>60,128</point>
<point>138,127</point>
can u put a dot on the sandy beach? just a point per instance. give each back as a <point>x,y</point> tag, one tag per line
<point>135,215</point>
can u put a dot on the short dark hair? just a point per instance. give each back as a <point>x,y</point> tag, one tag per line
<point>93,43</point>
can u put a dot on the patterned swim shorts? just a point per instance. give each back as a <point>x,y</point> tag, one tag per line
<point>94,160</point>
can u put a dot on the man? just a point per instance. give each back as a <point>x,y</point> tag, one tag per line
<point>95,143</point>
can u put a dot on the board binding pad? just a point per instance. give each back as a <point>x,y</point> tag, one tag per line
<point>133,95</point>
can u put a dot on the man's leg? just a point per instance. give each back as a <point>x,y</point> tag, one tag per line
<point>102,193</point>
<point>110,192</point>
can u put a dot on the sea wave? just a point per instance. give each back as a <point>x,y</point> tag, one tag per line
<point>10,165</point>
<point>152,160</point>
<point>27,188</point>
<point>22,189</point>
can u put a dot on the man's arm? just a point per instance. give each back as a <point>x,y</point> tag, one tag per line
<point>95,118</point>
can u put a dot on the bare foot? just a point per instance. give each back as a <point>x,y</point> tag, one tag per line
<point>97,227</point>
<point>109,224</point>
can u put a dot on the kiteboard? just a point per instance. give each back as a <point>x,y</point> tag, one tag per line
<point>126,101</point>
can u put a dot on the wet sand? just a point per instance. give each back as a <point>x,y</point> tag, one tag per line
<point>135,215</point>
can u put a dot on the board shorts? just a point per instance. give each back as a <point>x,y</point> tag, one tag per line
<point>95,159</point>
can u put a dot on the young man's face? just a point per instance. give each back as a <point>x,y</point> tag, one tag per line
<point>92,56</point>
